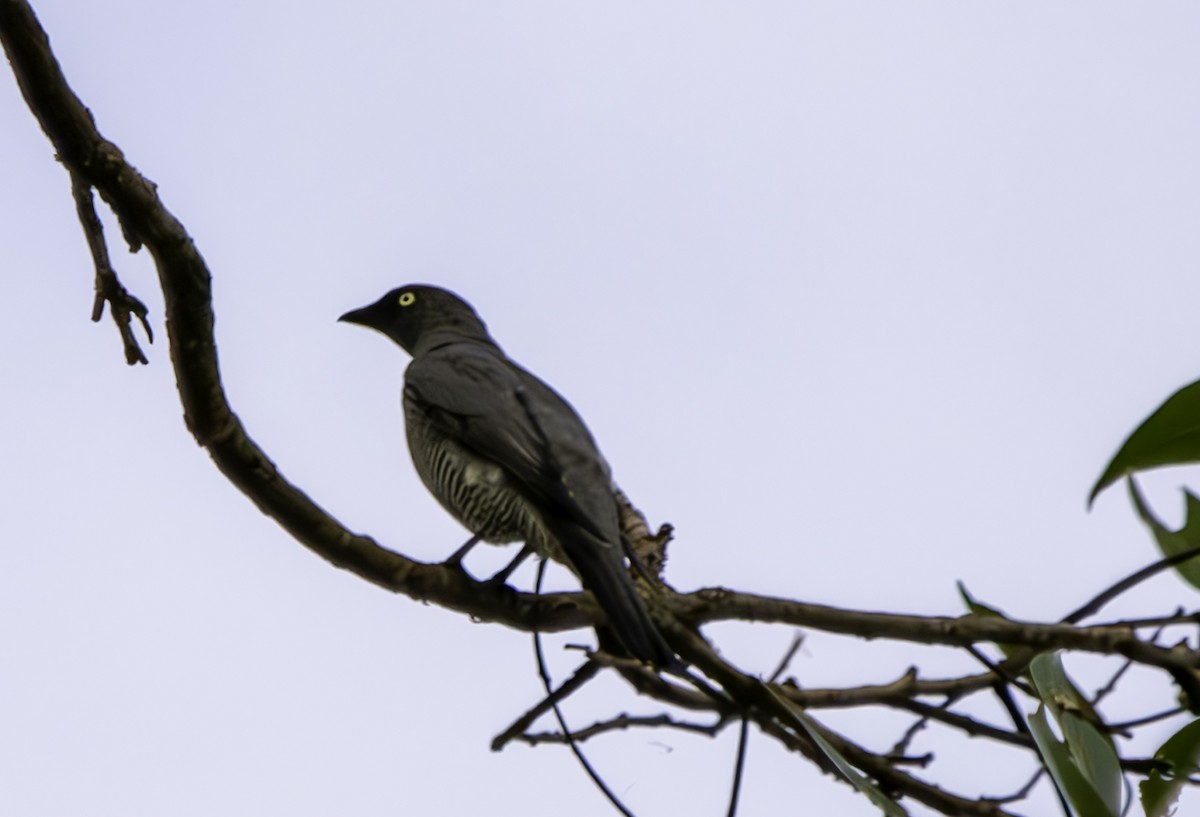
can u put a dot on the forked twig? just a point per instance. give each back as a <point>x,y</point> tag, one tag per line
<point>109,288</point>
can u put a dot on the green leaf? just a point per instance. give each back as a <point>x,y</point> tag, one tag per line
<point>1087,751</point>
<point>983,611</point>
<point>1078,790</point>
<point>886,804</point>
<point>1171,542</point>
<point>1169,436</point>
<point>1057,691</point>
<point>1182,753</point>
<point>977,607</point>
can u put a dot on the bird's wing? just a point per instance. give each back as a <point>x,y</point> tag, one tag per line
<point>490,405</point>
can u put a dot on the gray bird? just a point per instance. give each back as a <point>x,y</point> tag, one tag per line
<point>507,456</point>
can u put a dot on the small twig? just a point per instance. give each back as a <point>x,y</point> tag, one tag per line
<point>967,724</point>
<point>1144,766</point>
<point>1133,579</point>
<point>1177,619</point>
<point>622,722</point>
<point>739,768</point>
<point>1107,689</point>
<point>788,655</point>
<point>108,287</point>
<point>1001,671</point>
<point>652,685</point>
<point>1022,792</point>
<point>1148,719</point>
<point>582,675</point>
<point>918,726</point>
<point>558,715</point>
<point>920,761</point>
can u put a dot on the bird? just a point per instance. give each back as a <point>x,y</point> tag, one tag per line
<point>509,457</point>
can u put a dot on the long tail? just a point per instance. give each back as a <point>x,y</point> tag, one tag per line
<point>601,569</point>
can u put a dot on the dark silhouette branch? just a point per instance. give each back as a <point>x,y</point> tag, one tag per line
<point>518,728</point>
<point>624,722</point>
<point>1132,580</point>
<point>1125,727</point>
<point>967,724</point>
<point>720,604</point>
<point>108,288</point>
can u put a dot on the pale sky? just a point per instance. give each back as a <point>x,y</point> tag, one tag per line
<point>859,296</point>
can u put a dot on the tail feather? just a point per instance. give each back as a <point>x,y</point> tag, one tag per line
<point>601,570</point>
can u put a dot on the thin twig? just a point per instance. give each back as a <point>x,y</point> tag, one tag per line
<point>1106,690</point>
<point>739,768</point>
<point>1179,618</point>
<point>562,722</point>
<point>1133,579</point>
<point>967,724</point>
<point>788,655</point>
<point>1022,792</point>
<point>108,287</point>
<point>1003,671</point>
<point>1147,719</point>
<point>585,673</point>
<point>900,747</point>
<point>622,722</point>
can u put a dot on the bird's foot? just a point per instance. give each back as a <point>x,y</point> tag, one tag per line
<point>455,559</point>
<point>502,575</point>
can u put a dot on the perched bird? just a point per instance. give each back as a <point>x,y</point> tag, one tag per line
<point>506,455</point>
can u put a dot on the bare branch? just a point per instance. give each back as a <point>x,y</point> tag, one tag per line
<point>108,288</point>
<point>720,604</point>
<point>623,722</point>
<point>1023,792</point>
<point>1126,726</point>
<point>788,655</point>
<point>1130,581</point>
<point>967,724</point>
<point>576,682</point>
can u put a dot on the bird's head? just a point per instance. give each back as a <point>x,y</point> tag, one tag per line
<point>418,316</point>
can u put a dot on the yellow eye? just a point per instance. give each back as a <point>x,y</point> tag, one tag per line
<point>407,298</point>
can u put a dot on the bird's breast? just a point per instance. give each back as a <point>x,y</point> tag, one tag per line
<point>476,491</point>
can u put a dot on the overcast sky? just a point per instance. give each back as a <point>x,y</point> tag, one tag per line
<point>859,296</point>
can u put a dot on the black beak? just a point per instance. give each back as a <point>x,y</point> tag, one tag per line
<point>362,317</point>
